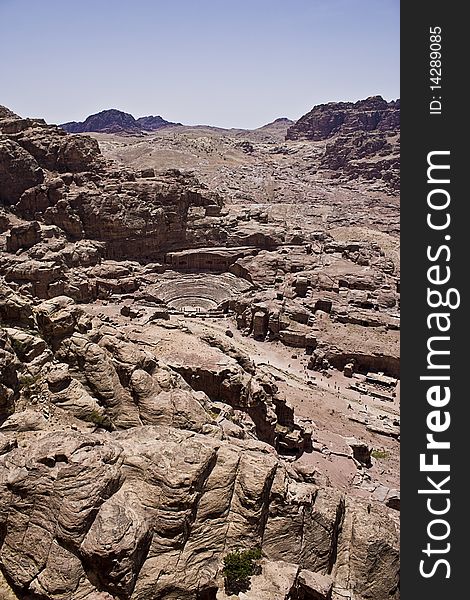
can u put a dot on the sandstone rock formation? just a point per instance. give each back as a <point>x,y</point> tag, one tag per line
<point>325,120</point>
<point>116,121</point>
<point>44,145</point>
<point>166,353</point>
<point>19,171</point>
<point>149,484</point>
<point>365,137</point>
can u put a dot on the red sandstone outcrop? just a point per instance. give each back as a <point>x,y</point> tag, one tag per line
<point>49,146</point>
<point>18,171</point>
<point>325,120</point>
<point>364,138</point>
<point>134,457</point>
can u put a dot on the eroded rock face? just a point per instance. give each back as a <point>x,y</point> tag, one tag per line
<point>364,136</point>
<point>325,120</point>
<point>85,201</point>
<point>14,308</point>
<point>18,171</point>
<point>152,507</point>
<point>369,567</point>
<point>73,211</point>
<point>136,504</point>
<point>150,215</point>
<point>324,300</point>
<point>9,381</point>
<point>138,448</point>
<point>34,539</point>
<point>49,146</point>
<point>23,236</point>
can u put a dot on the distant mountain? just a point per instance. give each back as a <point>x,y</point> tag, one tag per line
<point>278,123</point>
<point>152,123</point>
<point>327,120</point>
<point>116,121</point>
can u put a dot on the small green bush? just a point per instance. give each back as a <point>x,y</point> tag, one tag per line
<point>28,384</point>
<point>16,345</point>
<point>380,454</point>
<point>98,419</point>
<point>239,566</point>
<point>28,380</point>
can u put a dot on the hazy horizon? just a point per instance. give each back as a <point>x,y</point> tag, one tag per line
<point>231,65</point>
<point>210,124</point>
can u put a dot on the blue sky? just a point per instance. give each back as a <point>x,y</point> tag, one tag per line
<point>220,62</point>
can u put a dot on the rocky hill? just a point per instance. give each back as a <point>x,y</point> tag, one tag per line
<point>363,137</point>
<point>116,121</point>
<point>192,366</point>
<point>326,120</point>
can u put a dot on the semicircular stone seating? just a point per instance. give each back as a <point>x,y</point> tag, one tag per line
<point>200,293</point>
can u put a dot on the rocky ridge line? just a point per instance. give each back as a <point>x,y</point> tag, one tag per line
<point>117,121</point>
